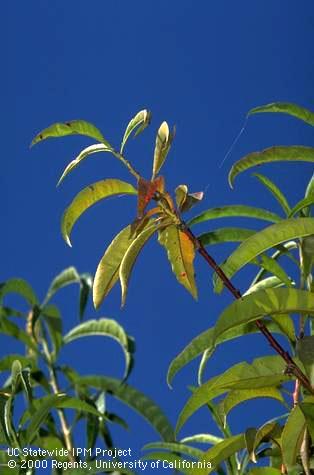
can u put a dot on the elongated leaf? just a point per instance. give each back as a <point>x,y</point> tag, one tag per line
<point>88,197</point>
<point>301,205</point>
<point>163,143</point>
<point>235,210</point>
<point>292,436</point>
<point>205,342</point>
<point>181,252</point>
<point>103,327</point>
<point>140,121</point>
<point>264,302</point>
<point>66,277</point>
<point>307,407</point>
<point>220,452</point>
<point>96,148</point>
<point>264,240</point>
<point>175,447</point>
<point>107,273</point>
<point>272,154</point>
<point>86,285</point>
<point>10,329</point>
<point>74,127</point>
<point>263,372</point>
<point>133,398</point>
<point>267,283</point>
<point>221,235</point>
<point>305,351</point>
<point>268,431</point>
<point>202,439</point>
<point>286,108</point>
<point>52,317</point>
<point>7,361</point>
<point>275,191</point>
<point>18,286</point>
<point>271,265</point>
<point>130,257</point>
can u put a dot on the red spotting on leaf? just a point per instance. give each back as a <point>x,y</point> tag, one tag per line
<point>146,191</point>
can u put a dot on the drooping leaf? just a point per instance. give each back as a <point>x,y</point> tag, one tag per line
<point>131,255</point>
<point>263,372</point>
<point>133,398</point>
<point>96,148</point>
<point>181,252</point>
<point>292,436</point>
<point>272,154</point>
<point>221,235</point>
<point>18,286</point>
<point>271,265</point>
<point>275,191</point>
<point>205,342</point>
<point>220,452</point>
<point>286,108</point>
<point>164,139</point>
<point>235,210</point>
<point>88,197</point>
<point>103,327</point>
<point>175,447</point>
<point>74,127</point>
<point>107,273</point>
<point>66,277</point>
<point>262,241</point>
<point>265,302</point>
<point>140,121</point>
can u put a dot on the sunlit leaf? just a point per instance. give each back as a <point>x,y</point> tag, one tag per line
<point>102,327</point>
<point>301,205</point>
<point>286,108</point>
<point>146,190</point>
<point>264,240</point>
<point>269,431</point>
<point>169,461</point>
<point>107,273</point>
<point>175,447</point>
<point>307,407</point>
<point>202,439</point>
<point>292,436</point>
<point>272,154</point>
<point>164,139</point>
<point>237,211</point>
<point>271,265</point>
<point>275,191</point>
<point>74,127</point>
<point>267,283</point>
<point>88,197</point>
<point>263,372</point>
<point>181,252</point>
<point>185,200</point>
<point>133,398</point>
<point>265,302</point>
<point>131,255</point>
<point>66,277</point>
<point>96,148</point>
<point>221,235</point>
<point>18,286</point>
<point>140,121</point>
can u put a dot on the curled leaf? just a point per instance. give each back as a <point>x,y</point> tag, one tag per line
<point>164,140</point>
<point>140,121</point>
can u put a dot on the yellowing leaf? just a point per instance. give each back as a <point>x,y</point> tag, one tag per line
<point>73,127</point>
<point>181,252</point>
<point>107,273</point>
<point>89,196</point>
<point>140,121</point>
<point>163,142</point>
<point>96,148</point>
<point>131,255</point>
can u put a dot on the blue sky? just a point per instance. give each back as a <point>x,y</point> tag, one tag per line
<point>199,65</point>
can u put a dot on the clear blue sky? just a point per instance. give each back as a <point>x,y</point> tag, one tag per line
<point>199,65</point>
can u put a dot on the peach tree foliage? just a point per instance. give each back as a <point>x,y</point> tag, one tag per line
<point>273,303</point>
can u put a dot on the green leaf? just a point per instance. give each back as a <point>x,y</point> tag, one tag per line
<point>271,265</point>
<point>52,317</point>
<point>140,121</point>
<point>275,191</point>
<point>18,286</point>
<point>301,205</point>
<point>292,436</point>
<point>268,283</point>
<point>133,398</point>
<point>264,471</point>
<point>10,329</point>
<point>286,108</point>
<point>74,127</point>
<point>235,210</point>
<point>86,285</point>
<point>269,155</point>
<point>185,201</point>
<point>263,372</point>
<point>96,148</point>
<point>4,434</point>
<point>202,439</point>
<point>181,252</point>
<point>225,235</point>
<point>262,241</point>
<point>88,197</point>
<point>131,255</point>
<point>103,327</point>
<point>175,447</point>
<point>7,361</point>
<point>305,351</point>
<point>265,302</point>
<point>205,342</point>
<point>107,273</point>
<point>164,139</point>
<point>66,277</point>
<point>220,452</point>
<point>170,461</point>
<point>307,407</point>
<point>268,431</point>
